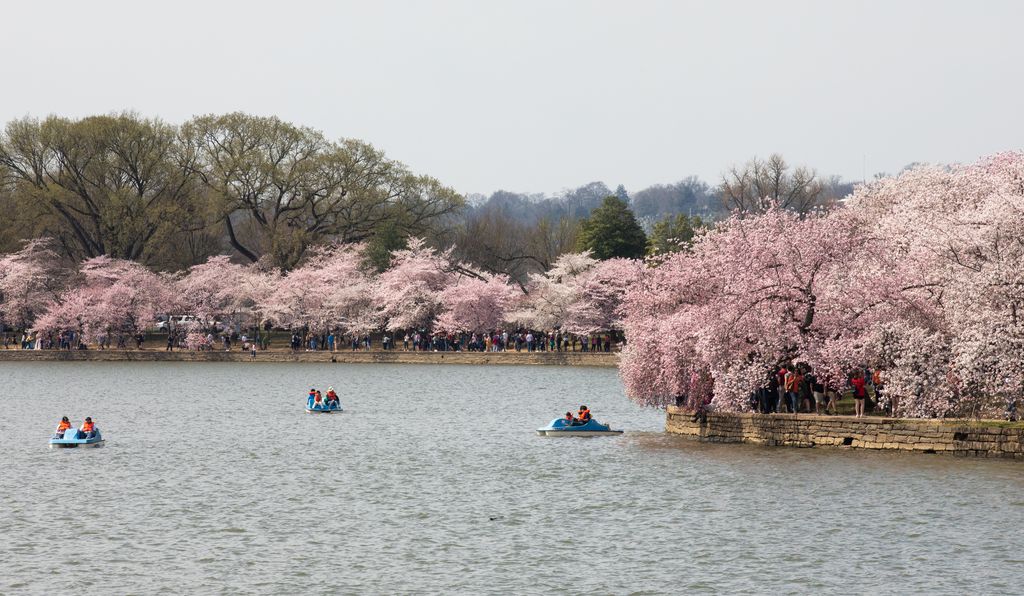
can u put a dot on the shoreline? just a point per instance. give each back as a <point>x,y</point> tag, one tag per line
<point>587,359</point>
<point>962,437</point>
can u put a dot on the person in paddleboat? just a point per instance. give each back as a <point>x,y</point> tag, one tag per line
<point>311,398</point>
<point>88,428</point>
<point>569,418</point>
<point>62,426</point>
<point>318,400</point>
<point>584,415</point>
<point>332,397</point>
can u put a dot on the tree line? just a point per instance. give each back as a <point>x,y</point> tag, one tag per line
<point>102,300</point>
<point>171,196</point>
<point>260,189</point>
<point>517,234</point>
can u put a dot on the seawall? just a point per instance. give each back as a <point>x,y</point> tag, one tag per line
<point>370,357</point>
<point>978,438</point>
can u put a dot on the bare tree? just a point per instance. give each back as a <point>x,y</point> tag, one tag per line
<point>497,242</point>
<point>759,184</point>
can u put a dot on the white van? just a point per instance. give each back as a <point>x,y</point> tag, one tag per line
<point>176,322</point>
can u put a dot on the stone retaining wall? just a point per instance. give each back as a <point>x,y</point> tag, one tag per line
<point>378,356</point>
<point>982,438</point>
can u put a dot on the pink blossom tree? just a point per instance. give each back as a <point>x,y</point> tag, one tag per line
<point>111,296</point>
<point>579,294</point>
<point>212,289</point>
<point>475,305</point>
<point>920,275</point>
<point>220,290</point>
<point>754,293</point>
<point>960,231</point>
<point>331,290</point>
<point>600,293</point>
<point>30,280</point>
<point>408,294</point>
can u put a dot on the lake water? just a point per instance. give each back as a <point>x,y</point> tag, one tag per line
<point>214,480</point>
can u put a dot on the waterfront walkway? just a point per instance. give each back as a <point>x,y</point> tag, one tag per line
<point>373,356</point>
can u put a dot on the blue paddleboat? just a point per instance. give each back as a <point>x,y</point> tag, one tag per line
<point>323,408</point>
<point>76,438</point>
<point>560,427</point>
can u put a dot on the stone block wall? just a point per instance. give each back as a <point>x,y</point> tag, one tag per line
<point>980,438</point>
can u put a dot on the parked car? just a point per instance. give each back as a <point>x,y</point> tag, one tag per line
<point>176,322</point>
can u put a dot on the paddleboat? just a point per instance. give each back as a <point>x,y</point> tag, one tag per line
<point>560,427</point>
<point>76,438</point>
<point>323,408</point>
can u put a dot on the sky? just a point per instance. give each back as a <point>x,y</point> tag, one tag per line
<point>542,96</point>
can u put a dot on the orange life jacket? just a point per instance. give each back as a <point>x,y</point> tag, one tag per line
<point>318,398</point>
<point>585,415</point>
<point>63,425</point>
<point>332,396</point>
<point>88,426</point>
<point>569,417</point>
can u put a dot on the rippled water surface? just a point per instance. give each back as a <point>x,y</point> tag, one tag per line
<point>214,480</point>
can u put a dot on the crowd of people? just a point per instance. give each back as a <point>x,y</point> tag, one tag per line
<point>541,341</point>
<point>522,340</point>
<point>68,340</point>
<point>501,340</point>
<point>796,389</point>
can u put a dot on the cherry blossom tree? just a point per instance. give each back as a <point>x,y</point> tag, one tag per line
<point>960,229</point>
<point>220,290</point>
<point>476,304</point>
<point>110,296</point>
<point>754,293</point>
<point>920,275</point>
<point>408,294</point>
<point>30,280</point>
<point>579,294</point>
<point>331,290</point>
<point>600,294</point>
<point>550,296</point>
<point>212,289</point>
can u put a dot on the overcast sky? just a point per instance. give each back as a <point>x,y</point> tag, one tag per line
<point>542,96</point>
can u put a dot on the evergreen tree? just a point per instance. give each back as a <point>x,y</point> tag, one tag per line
<point>612,231</point>
<point>378,250</point>
<point>673,234</point>
<point>620,191</point>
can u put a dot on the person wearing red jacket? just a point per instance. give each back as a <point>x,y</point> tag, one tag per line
<point>860,393</point>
